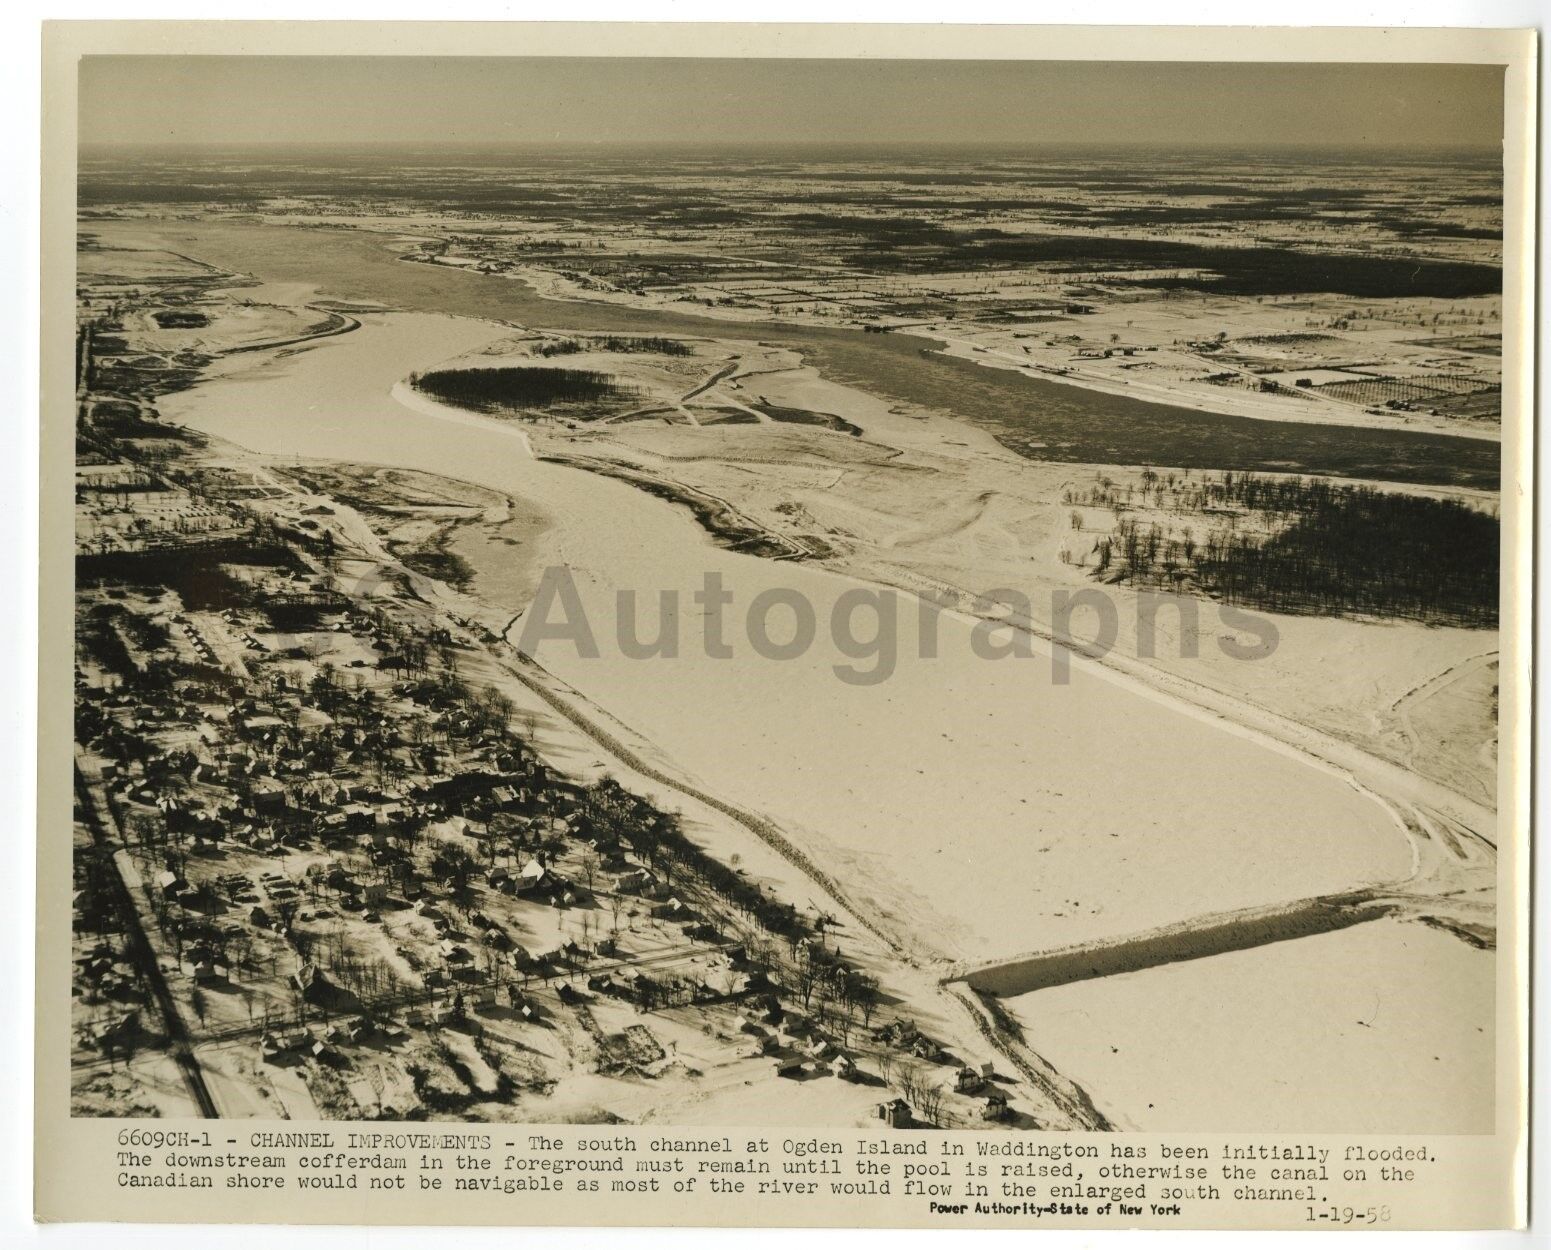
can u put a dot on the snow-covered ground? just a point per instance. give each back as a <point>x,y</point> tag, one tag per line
<point>981,806</point>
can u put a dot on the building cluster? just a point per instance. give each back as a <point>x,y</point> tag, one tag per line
<point>308,843</point>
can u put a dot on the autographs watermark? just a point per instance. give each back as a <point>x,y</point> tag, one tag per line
<point>868,626</point>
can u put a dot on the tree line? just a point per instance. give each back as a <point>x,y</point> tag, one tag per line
<point>506,389</point>
<point>650,345</point>
<point>1303,546</point>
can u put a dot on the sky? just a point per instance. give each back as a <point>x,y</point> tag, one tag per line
<point>338,100</point>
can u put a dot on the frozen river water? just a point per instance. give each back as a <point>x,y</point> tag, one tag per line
<point>977,807</point>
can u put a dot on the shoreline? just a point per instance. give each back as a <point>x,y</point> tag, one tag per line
<point>338,323</point>
<point>549,286</point>
<point>1184,399</point>
<point>1071,427</point>
<point>919,969</point>
<point>554,288</point>
<point>1081,1099</point>
<point>1341,757</point>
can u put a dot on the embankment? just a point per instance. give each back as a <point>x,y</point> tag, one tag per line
<point>1214,934</point>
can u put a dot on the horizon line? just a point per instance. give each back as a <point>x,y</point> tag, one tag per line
<point>465,145</point>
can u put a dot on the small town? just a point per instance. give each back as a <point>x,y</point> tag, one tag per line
<point>322,868</point>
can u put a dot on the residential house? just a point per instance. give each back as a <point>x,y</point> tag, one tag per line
<point>968,1081</point>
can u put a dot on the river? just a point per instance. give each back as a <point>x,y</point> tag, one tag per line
<point>970,803</point>
<point>1069,423</point>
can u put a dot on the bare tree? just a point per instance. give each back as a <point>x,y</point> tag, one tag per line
<point>929,1097</point>
<point>810,974</point>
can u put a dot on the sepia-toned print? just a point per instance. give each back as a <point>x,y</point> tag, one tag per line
<point>794,594</point>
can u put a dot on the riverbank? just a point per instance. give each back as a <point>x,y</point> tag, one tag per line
<point>1177,384</point>
<point>1027,774</point>
<point>1037,417</point>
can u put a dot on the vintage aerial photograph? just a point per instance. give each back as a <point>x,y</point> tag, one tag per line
<point>824,594</point>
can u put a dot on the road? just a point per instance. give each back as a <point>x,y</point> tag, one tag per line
<point>180,1044</point>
